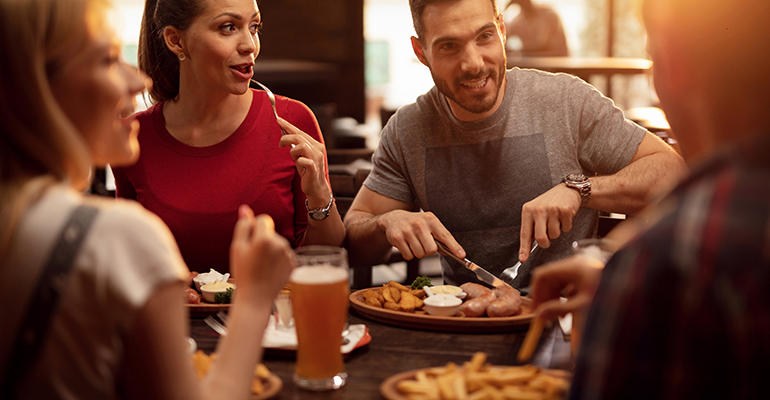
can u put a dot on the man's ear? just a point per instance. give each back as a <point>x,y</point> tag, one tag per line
<point>173,39</point>
<point>418,50</point>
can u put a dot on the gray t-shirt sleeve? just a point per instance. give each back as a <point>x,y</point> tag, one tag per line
<point>607,141</point>
<point>388,177</point>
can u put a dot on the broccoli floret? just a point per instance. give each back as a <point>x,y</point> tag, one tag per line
<point>224,298</point>
<point>421,281</point>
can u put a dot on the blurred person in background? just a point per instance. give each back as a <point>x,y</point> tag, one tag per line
<point>498,158</point>
<point>113,324</point>
<point>539,31</point>
<point>682,310</point>
<point>210,143</point>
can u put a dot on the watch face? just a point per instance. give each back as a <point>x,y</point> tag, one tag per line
<point>577,177</point>
<point>319,215</point>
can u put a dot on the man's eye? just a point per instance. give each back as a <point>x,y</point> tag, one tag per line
<point>447,46</point>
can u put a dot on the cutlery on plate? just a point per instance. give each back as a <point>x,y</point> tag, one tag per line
<point>510,273</point>
<point>481,273</point>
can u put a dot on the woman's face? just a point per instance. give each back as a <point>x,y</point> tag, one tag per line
<point>221,44</point>
<point>97,90</point>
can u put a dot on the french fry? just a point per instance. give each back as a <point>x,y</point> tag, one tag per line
<point>531,340</point>
<point>387,294</point>
<point>391,306</point>
<point>477,361</point>
<point>407,302</point>
<point>419,293</point>
<point>480,381</point>
<point>374,302</point>
<point>400,287</point>
<point>395,293</point>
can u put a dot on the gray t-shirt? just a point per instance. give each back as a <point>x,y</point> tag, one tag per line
<point>476,176</point>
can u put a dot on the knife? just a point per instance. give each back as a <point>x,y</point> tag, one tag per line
<point>481,273</point>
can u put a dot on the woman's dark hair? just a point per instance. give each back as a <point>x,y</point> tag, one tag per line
<point>154,58</point>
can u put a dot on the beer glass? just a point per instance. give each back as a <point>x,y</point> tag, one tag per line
<point>319,300</point>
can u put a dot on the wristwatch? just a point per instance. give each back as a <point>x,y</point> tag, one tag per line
<point>582,184</point>
<point>319,214</point>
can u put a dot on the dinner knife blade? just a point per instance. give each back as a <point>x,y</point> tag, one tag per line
<point>481,273</point>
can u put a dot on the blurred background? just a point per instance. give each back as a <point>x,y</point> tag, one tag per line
<point>352,62</point>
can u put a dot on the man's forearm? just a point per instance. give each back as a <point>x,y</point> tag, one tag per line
<point>632,188</point>
<point>366,242</point>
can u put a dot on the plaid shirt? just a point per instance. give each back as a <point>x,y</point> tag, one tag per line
<point>683,311</point>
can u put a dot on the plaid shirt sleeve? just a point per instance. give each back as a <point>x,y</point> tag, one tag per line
<point>684,310</point>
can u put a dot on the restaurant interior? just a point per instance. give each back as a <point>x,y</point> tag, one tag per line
<point>359,68</point>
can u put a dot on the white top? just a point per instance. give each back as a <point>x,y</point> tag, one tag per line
<point>126,255</point>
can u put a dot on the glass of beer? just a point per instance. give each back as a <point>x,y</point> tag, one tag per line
<point>319,300</point>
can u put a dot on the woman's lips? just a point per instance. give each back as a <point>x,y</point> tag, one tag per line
<point>244,71</point>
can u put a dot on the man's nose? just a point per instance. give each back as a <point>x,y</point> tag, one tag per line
<point>472,61</point>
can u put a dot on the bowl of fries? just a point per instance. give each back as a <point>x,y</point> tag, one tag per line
<point>445,305</point>
<point>476,379</point>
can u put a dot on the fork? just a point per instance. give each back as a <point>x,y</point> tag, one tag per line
<point>215,325</point>
<point>270,96</point>
<point>509,274</point>
<point>223,316</point>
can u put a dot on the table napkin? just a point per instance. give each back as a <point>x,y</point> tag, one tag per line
<point>279,336</point>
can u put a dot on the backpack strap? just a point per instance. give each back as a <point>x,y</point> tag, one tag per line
<point>45,298</point>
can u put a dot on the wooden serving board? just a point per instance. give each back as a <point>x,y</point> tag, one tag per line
<point>457,323</point>
<point>204,309</point>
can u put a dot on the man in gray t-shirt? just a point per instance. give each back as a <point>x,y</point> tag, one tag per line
<point>485,154</point>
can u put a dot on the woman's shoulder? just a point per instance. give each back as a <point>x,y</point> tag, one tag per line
<point>136,242</point>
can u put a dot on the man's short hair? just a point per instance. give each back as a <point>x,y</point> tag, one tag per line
<point>418,7</point>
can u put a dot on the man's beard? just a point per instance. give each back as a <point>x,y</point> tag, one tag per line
<point>475,104</point>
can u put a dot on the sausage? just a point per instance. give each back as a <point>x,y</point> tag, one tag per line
<point>477,307</point>
<point>473,290</point>
<point>506,305</point>
<point>191,296</point>
<point>503,289</point>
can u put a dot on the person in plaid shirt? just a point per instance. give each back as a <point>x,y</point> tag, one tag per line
<point>683,309</point>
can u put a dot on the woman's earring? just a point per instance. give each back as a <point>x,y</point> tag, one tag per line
<point>181,56</point>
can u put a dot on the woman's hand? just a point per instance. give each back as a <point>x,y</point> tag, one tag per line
<point>310,158</point>
<point>260,259</point>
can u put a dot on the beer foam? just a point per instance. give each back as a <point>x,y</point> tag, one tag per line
<point>320,274</point>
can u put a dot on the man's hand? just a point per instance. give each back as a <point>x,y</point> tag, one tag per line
<point>414,234</point>
<point>575,278</point>
<point>546,217</point>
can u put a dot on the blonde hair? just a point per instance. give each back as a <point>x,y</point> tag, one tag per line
<point>38,144</point>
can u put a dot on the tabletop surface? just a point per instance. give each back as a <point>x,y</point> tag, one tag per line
<point>394,349</point>
<point>614,65</point>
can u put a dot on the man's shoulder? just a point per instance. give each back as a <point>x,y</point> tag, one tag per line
<point>424,111</point>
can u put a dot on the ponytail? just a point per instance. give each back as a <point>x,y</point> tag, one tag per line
<point>154,58</point>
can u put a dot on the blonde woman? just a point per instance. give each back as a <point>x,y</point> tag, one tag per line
<point>117,325</point>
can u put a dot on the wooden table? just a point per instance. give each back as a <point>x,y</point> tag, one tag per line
<point>585,67</point>
<point>395,349</point>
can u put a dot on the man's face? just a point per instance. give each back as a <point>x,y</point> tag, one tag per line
<point>464,48</point>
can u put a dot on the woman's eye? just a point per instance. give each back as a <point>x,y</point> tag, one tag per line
<point>256,28</point>
<point>227,28</point>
